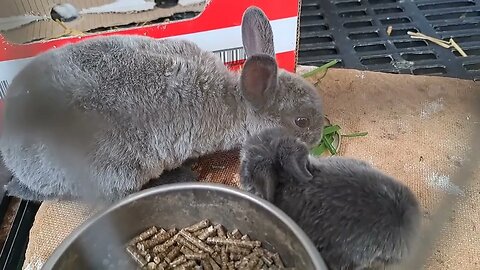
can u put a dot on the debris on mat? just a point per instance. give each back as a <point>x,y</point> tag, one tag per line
<point>445,44</point>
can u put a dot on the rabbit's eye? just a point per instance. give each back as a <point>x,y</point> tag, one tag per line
<point>302,122</point>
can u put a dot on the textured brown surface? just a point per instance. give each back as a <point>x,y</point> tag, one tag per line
<point>419,128</point>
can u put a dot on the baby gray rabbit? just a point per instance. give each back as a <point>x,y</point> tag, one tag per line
<point>358,217</point>
<point>102,117</point>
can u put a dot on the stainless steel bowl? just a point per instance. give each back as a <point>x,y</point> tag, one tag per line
<point>99,242</point>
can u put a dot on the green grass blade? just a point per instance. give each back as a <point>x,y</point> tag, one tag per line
<point>330,147</point>
<point>319,69</point>
<point>359,134</point>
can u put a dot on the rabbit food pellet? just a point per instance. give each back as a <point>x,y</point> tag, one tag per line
<point>201,245</point>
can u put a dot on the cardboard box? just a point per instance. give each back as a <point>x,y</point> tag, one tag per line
<point>216,29</point>
<point>24,21</point>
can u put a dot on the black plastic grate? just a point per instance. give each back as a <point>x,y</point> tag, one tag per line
<point>354,32</point>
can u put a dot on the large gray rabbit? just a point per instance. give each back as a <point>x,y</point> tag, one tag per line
<point>358,217</point>
<point>102,117</point>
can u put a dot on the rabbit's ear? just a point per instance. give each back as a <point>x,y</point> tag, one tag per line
<point>257,35</point>
<point>265,183</point>
<point>296,164</point>
<point>258,81</point>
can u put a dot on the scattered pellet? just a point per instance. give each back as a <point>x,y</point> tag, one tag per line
<point>235,256</point>
<point>209,231</point>
<point>220,230</point>
<point>236,234</point>
<point>267,260</point>
<point>162,266</point>
<point>252,262</point>
<point>206,264</point>
<point>259,264</point>
<point>199,232</point>
<point>178,261</point>
<point>224,257</point>
<point>182,241</point>
<point>214,265</point>
<point>173,254</point>
<point>185,266</point>
<point>231,265</point>
<point>139,259</point>
<point>157,239</point>
<point>151,266</point>
<point>148,257</point>
<point>162,248</point>
<point>144,235</point>
<point>234,242</point>
<point>196,241</point>
<point>217,258</point>
<point>157,259</point>
<point>277,260</point>
<point>238,250</point>
<point>245,237</point>
<point>198,226</point>
<point>185,250</point>
<point>142,252</point>
<point>196,256</point>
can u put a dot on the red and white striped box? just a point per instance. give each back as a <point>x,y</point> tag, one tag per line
<point>216,29</point>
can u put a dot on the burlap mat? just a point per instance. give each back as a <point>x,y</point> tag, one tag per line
<point>419,128</point>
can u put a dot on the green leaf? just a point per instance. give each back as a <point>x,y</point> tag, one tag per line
<point>318,150</point>
<point>319,69</point>
<point>331,129</point>
<point>323,146</point>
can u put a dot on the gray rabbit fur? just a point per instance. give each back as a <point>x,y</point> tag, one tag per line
<point>358,217</point>
<point>100,118</point>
